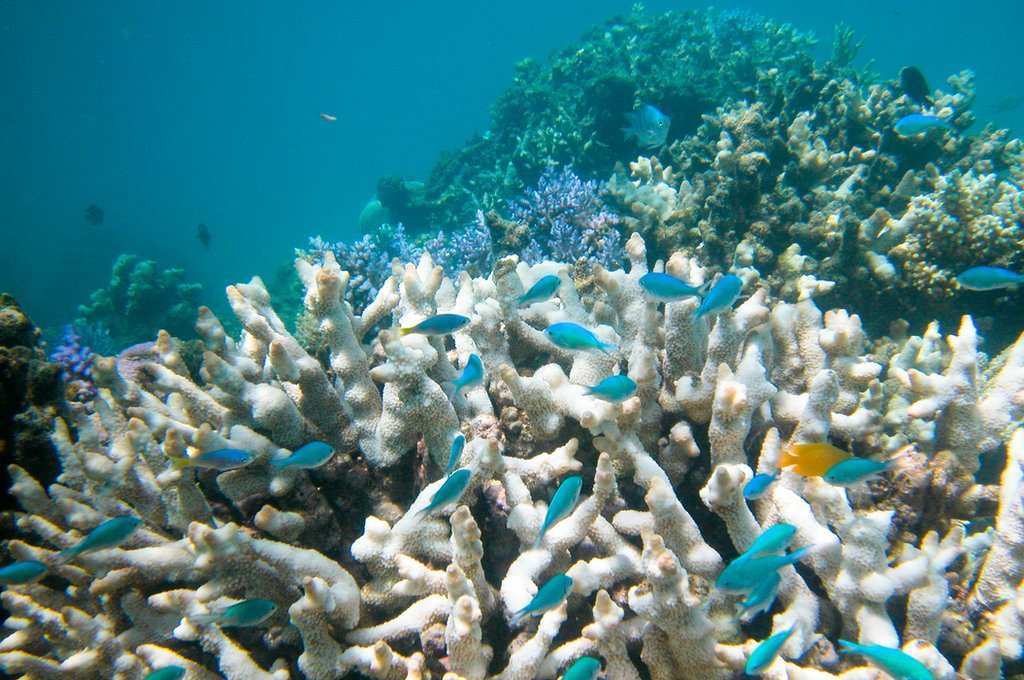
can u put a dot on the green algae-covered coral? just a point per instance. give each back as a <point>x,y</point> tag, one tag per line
<point>140,299</point>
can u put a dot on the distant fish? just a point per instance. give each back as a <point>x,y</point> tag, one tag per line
<point>93,214</point>
<point>568,335</point>
<point>764,654</point>
<point>667,288</point>
<point>245,613</point>
<point>721,297</point>
<point>306,457</point>
<point>562,504</point>
<point>915,86</point>
<point>542,290</point>
<point>327,117</point>
<point>914,124</point>
<point>649,126</point>
<point>549,596</point>
<point>167,673</point>
<point>811,460</point>
<point>110,534</point>
<point>219,459</point>
<point>615,388</point>
<point>441,324</point>
<point>895,662</point>
<point>203,232</point>
<point>21,573</point>
<point>989,278</point>
<point>584,668</point>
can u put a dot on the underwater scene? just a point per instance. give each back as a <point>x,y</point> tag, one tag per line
<point>512,341</point>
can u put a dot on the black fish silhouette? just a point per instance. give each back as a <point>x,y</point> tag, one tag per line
<point>915,86</point>
<point>93,214</point>
<point>204,235</point>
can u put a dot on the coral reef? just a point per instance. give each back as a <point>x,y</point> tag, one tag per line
<point>76,360</point>
<point>365,583</point>
<point>140,299</point>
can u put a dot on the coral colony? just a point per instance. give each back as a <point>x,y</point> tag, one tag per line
<point>661,455</point>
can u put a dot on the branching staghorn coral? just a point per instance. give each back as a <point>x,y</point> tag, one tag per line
<point>364,582</point>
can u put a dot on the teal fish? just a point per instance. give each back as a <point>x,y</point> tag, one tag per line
<point>721,297</point>
<point>919,123</point>
<point>449,492</point>
<point>221,459</point>
<point>441,324</point>
<point>472,374</point>
<point>306,457</point>
<point>764,654</point>
<point>542,290</point>
<point>110,534</point>
<point>458,444</point>
<point>758,486</point>
<point>898,664</point>
<point>550,595</point>
<point>167,673</point>
<point>772,540</point>
<point>21,573</point>
<point>568,335</point>
<point>615,388</point>
<point>562,504</point>
<point>584,668</point>
<point>989,278</point>
<point>746,573</point>
<point>762,596</point>
<point>667,288</point>
<point>245,613</point>
<point>856,470</point>
<point>649,125</point>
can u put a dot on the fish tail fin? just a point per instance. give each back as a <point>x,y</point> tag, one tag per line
<point>404,331</point>
<point>277,465</point>
<point>178,462</point>
<point>847,646</point>
<point>798,555</point>
<point>204,619</point>
<point>606,346</point>
<point>517,617</point>
<point>450,389</point>
<point>64,556</point>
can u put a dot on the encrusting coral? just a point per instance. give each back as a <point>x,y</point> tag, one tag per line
<point>366,582</point>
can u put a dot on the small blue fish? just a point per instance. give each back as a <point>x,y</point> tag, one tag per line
<point>221,459</point>
<point>167,673</point>
<point>667,288</point>
<point>110,534</point>
<point>245,613</point>
<point>746,573</point>
<point>472,374</point>
<point>919,123</point>
<point>764,654</point>
<point>989,278</point>
<point>550,595</point>
<point>568,335</point>
<point>449,492</point>
<point>542,290</point>
<point>721,297</point>
<point>762,596</point>
<point>442,324</point>
<point>306,457</point>
<point>615,388</point>
<point>458,444</point>
<point>649,125</point>
<point>898,664</point>
<point>562,504</point>
<point>856,470</point>
<point>772,540</point>
<point>584,668</point>
<point>758,486</point>
<point>21,573</point>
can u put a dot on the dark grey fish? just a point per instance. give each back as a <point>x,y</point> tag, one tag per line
<point>93,214</point>
<point>915,86</point>
<point>204,235</point>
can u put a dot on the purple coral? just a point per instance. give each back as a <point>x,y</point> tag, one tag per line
<point>468,250</point>
<point>76,360</point>
<point>568,220</point>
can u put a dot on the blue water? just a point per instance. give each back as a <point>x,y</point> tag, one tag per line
<point>168,115</point>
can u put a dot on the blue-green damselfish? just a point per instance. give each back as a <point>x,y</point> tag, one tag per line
<point>721,297</point>
<point>759,485</point>
<point>449,492</point>
<point>167,673</point>
<point>458,444</point>
<point>989,278</point>
<point>762,596</point>
<point>568,335</point>
<point>110,534</point>
<point>914,124</point>
<point>220,459</point>
<point>306,457</point>
<point>562,504</point>
<point>584,668</point>
<point>745,573</point>
<point>856,470</point>
<point>614,388</point>
<point>21,573</point>
<point>550,595</point>
<point>898,664</point>
<point>543,289</point>
<point>441,324</point>
<point>772,540</point>
<point>667,288</point>
<point>764,654</point>
<point>472,374</point>
<point>245,613</point>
